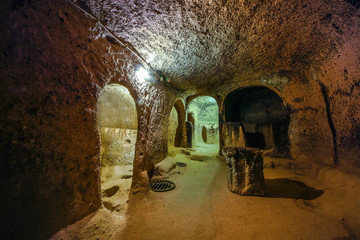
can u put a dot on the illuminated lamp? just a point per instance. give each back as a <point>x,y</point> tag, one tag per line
<point>142,75</point>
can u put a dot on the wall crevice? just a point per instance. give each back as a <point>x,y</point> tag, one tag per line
<point>324,92</point>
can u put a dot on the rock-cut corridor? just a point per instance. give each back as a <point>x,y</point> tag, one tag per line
<point>201,207</point>
<point>101,98</point>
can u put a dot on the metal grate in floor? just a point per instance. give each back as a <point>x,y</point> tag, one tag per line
<point>161,185</point>
<point>181,164</point>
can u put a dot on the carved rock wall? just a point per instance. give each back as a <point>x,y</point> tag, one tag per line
<point>55,62</point>
<point>340,80</point>
<point>233,135</point>
<point>172,127</point>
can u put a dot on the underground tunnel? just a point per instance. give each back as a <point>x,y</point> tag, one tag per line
<point>102,98</point>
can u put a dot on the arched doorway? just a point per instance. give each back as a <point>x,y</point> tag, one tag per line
<point>203,113</point>
<point>180,139</point>
<point>258,113</point>
<point>117,120</point>
<point>176,127</point>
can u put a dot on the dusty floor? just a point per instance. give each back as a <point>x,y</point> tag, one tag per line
<point>115,186</point>
<point>201,207</point>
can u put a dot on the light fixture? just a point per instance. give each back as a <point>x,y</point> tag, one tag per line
<point>142,75</point>
<point>150,58</point>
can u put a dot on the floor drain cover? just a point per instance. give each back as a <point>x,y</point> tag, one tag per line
<point>181,164</point>
<point>162,185</point>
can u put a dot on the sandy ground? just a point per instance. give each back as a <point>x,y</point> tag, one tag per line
<point>115,186</point>
<point>297,205</point>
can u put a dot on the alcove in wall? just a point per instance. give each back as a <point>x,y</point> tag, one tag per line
<point>261,115</point>
<point>117,120</point>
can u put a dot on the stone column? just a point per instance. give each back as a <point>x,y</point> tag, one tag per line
<point>245,170</point>
<point>183,136</point>
<point>189,131</point>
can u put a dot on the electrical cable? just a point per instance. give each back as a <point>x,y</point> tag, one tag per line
<point>123,44</point>
<point>112,34</point>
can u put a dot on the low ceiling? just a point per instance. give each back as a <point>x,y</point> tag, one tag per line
<point>201,44</point>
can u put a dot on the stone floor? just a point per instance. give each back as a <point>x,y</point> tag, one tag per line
<point>202,207</point>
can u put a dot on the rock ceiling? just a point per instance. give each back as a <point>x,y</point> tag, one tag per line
<point>203,43</point>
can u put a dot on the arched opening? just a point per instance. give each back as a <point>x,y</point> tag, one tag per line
<point>203,113</point>
<point>176,127</point>
<point>260,114</point>
<point>117,120</point>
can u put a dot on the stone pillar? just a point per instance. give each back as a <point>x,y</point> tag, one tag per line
<point>245,170</point>
<point>233,135</point>
<point>204,134</point>
<point>189,131</point>
<point>183,136</point>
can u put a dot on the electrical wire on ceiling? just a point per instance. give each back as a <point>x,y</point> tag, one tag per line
<point>134,52</point>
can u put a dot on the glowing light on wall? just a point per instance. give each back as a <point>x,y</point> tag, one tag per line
<point>142,75</point>
<point>150,58</point>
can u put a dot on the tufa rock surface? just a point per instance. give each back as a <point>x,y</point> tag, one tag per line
<point>245,170</point>
<point>55,60</point>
